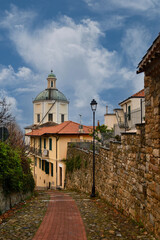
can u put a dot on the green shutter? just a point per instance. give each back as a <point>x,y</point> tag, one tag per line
<point>47,167</point>
<point>52,169</point>
<point>129,112</point>
<point>50,143</point>
<point>43,164</point>
<point>44,143</point>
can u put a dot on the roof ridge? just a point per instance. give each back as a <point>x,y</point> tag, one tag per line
<point>67,123</point>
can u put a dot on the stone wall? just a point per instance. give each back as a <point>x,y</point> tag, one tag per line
<point>8,201</point>
<point>124,177</point>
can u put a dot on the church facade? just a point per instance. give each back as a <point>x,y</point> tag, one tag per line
<point>50,105</point>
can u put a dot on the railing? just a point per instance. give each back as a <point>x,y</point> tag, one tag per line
<point>36,151</point>
<point>85,145</point>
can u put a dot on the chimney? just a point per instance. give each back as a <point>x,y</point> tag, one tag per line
<point>81,128</point>
<point>106,109</point>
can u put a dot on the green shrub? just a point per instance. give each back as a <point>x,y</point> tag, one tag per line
<point>12,176</point>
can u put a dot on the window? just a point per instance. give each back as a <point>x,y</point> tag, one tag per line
<point>46,167</point>
<point>52,169</point>
<point>129,112</point>
<point>39,163</point>
<point>51,83</point>
<point>44,143</point>
<point>50,143</point>
<point>35,161</point>
<point>50,117</point>
<point>62,118</point>
<point>43,165</point>
<point>38,117</point>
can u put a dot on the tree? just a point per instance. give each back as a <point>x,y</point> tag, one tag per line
<point>5,114</point>
<point>103,134</point>
<point>15,172</point>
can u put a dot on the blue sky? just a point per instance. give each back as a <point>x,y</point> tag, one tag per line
<point>93,47</point>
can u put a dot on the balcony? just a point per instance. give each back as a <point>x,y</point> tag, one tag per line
<point>45,153</point>
<point>36,151</point>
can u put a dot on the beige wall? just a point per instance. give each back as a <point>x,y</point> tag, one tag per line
<point>110,120</point>
<point>57,109</point>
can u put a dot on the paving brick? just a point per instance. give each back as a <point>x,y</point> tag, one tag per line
<point>62,220</point>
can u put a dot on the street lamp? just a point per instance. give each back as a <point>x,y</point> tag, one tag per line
<point>93,107</point>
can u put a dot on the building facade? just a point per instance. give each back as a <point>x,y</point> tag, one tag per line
<point>48,151</point>
<point>132,112</point>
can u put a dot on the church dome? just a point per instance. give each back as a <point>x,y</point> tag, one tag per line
<point>51,94</point>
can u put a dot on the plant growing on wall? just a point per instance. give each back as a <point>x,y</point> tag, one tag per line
<point>102,133</point>
<point>73,163</point>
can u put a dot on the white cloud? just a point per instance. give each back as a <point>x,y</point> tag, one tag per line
<point>11,79</point>
<point>84,68</point>
<point>135,5</point>
<point>135,43</point>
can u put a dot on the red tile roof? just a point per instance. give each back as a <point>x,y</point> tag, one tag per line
<point>67,127</point>
<point>139,94</point>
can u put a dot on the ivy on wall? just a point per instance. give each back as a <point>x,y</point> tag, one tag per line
<point>73,163</point>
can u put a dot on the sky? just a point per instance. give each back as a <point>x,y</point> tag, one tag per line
<point>92,46</point>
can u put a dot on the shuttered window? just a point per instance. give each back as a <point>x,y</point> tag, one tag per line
<point>129,112</point>
<point>44,143</point>
<point>46,167</point>
<point>52,169</point>
<point>50,143</point>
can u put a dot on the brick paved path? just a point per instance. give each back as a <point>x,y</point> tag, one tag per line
<point>62,220</point>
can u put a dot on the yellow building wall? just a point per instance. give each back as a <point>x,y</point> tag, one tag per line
<point>42,179</point>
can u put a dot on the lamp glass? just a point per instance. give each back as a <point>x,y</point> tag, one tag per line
<point>93,105</point>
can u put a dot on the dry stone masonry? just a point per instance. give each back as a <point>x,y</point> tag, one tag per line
<point>128,173</point>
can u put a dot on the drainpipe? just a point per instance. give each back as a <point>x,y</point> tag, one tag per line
<point>126,119</point>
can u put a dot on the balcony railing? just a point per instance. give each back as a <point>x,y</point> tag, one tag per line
<point>36,151</point>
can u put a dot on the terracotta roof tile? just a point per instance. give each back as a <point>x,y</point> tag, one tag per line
<point>67,127</point>
<point>139,94</point>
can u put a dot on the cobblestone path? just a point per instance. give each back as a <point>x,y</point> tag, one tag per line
<point>101,220</point>
<point>22,222</point>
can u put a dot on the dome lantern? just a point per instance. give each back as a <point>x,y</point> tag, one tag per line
<point>51,80</point>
